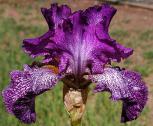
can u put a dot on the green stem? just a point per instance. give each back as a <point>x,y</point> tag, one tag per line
<point>76,123</point>
<point>75,117</point>
<point>75,101</point>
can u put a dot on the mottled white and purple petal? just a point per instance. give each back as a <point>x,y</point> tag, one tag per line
<point>126,86</point>
<point>81,36</point>
<point>19,96</point>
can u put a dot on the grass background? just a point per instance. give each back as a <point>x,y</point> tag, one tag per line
<point>22,19</point>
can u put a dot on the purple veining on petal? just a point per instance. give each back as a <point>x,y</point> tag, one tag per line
<point>55,14</point>
<point>126,86</point>
<point>38,46</point>
<point>19,96</point>
<point>81,36</point>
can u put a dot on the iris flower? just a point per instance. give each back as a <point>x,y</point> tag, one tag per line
<point>77,50</point>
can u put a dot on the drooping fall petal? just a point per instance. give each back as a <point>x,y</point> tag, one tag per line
<point>19,96</point>
<point>126,86</point>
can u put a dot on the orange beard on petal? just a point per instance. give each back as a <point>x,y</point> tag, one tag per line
<point>53,68</point>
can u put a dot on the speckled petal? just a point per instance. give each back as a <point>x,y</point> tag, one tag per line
<point>126,86</point>
<point>19,96</point>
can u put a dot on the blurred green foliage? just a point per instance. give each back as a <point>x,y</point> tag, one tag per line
<point>148,54</point>
<point>146,35</point>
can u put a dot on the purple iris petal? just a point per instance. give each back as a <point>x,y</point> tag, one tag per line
<point>19,96</point>
<point>37,46</point>
<point>55,14</point>
<point>126,86</point>
<point>82,37</point>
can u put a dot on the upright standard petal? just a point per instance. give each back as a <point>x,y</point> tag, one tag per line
<point>41,45</point>
<point>126,86</point>
<point>55,14</point>
<point>81,37</point>
<point>87,41</point>
<point>19,96</point>
<point>38,46</point>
